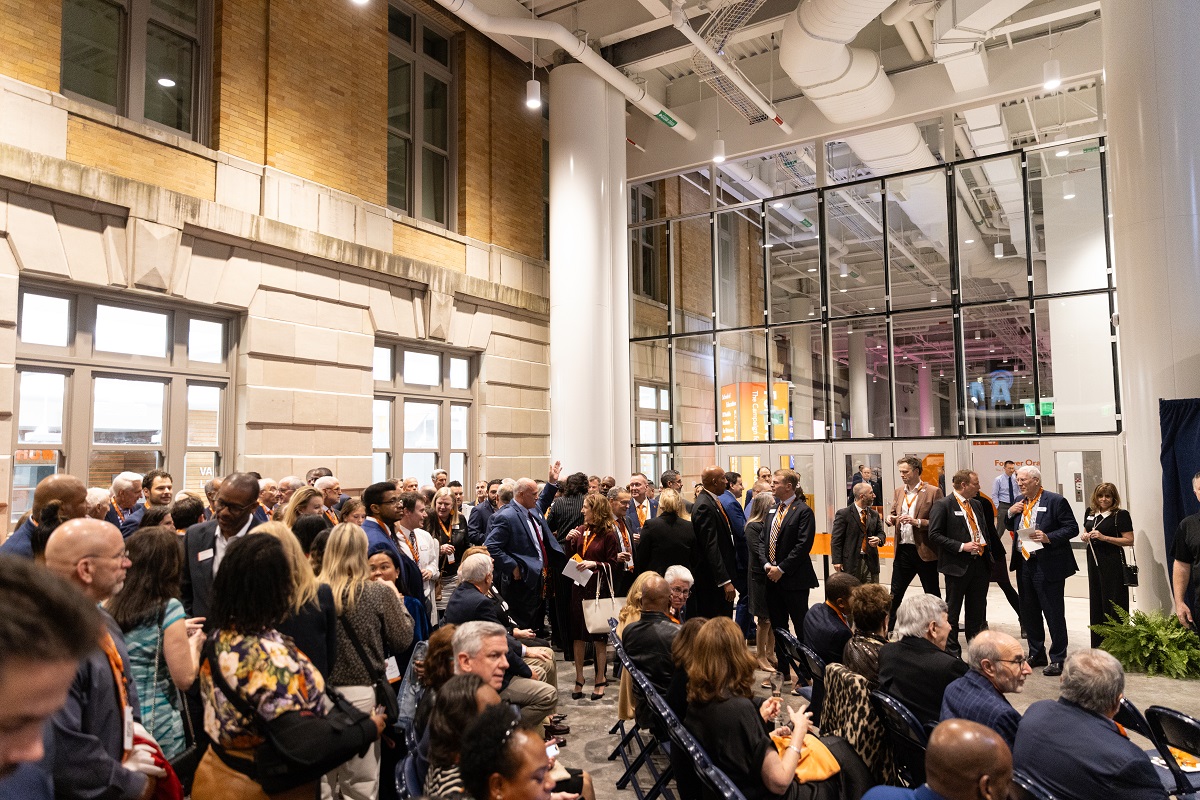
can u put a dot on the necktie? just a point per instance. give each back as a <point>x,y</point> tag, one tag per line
<point>971,522</point>
<point>1012,492</point>
<point>538,536</point>
<point>863,522</point>
<point>641,509</point>
<point>775,526</point>
<point>118,669</point>
<point>625,540</point>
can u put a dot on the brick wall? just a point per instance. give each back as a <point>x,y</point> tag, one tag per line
<point>240,78</point>
<point>139,159</point>
<point>31,41</point>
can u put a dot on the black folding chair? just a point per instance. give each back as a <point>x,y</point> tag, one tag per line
<point>1132,719</point>
<point>1171,728</point>
<point>1033,790</point>
<point>907,737</point>
<point>696,776</point>
<point>631,742</point>
<point>791,649</point>
<point>816,674</point>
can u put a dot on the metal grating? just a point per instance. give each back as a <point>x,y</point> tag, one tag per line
<point>717,30</point>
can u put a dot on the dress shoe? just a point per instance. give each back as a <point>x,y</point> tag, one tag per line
<point>557,718</point>
<point>1040,661</point>
<point>556,740</point>
<point>558,729</point>
<point>1053,669</point>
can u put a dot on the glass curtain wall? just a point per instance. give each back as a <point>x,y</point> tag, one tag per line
<point>972,299</point>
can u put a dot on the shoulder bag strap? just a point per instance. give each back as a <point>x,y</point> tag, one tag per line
<point>162,616</point>
<point>232,695</point>
<point>358,648</point>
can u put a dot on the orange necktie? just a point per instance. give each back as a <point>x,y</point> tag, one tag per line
<point>863,522</point>
<point>641,514</point>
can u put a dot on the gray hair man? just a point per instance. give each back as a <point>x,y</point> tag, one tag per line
<point>288,487</point>
<point>126,491</point>
<point>998,667</point>
<point>481,648</point>
<point>915,667</point>
<point>99,502</point>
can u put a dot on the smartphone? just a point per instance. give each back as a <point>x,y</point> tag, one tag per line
<point>552,750</point>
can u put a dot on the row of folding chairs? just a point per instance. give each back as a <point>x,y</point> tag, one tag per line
<point>695,774</point>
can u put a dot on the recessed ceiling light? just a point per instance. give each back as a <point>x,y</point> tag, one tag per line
<point>778,204</point>
<point>968,241</point>
<point>166,82</point>
<point>842,289</point>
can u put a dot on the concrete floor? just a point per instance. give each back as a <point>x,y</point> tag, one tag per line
<point>589,742</point>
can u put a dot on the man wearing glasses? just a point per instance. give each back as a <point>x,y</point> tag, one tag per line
<point>998,667</point>
<point>205,542</point>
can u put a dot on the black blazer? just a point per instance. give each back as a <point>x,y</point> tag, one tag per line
<point>717,560</point>
<point>648,642</point>
<point>792,546</point>
<point>948,529</point>
<point>916,672</point>
<point>468,604</point>
<point>666,540</point>
<point>1057,521</point>
<point>197,580</point>
<point>846,541</point>
<point>314,630</point>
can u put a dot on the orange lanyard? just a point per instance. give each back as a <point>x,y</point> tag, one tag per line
<point>265,510</point>
<point>1030,510</point>
<point>586,541</point>
<point>841,616</point>
<point>118,669</point>
<point>910,504</point>
<point>970,512</point>
<point>407,541</point>
<point>445,529</point>
<point>120,516</point>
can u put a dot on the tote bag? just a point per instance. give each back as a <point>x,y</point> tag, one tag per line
<point>597,611</point>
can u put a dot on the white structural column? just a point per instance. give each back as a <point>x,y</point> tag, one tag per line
<point>590,427</point>
<point>860,409</point>
<point>1154,137</point>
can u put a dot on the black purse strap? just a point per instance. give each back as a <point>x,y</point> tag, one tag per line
<point>358,648</point>
<point>232,695</point>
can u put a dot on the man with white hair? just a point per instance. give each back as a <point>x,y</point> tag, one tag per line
<point>1073,747</point>
<point>331,490</point>
<point>99,502</point>
<point>288,487</point>
<point>481,648</point>
<point>998,667</point>
<point>1051,525</point>
<point>126,491</point>
<point>268,496</point>
<point>680,580</point>
<point>439,478</point>
<point>915,667</point>
<point>521,544</point>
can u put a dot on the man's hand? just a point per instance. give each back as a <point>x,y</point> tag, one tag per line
<point>1183,614</point>
<point>555,471</point>
<point>1038,536</point>
<point>623,556</point>
<point>973,548</point>
<point>517,573</point>
<point>774,573</point>
<point>891,519</point>
<point>427,574</point>
<point>838,568</point>
<point>446,549</point>
<point>522,633</point>
<point>1016,508</point>
<point>874,541</point>
<point>730,592</point>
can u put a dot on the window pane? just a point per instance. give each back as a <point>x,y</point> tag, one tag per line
<point>437,113</point>
<point>991,265</point>
<point>664,400</point>
<point>664,431</point>
<point>917,241</point>
<point>694,413</point>
<point>206,341</point>
<point>125,330</point>
<point>169,78</point>
<point>181,12</point>
<point>382,365</point>
<point>742,376</point>
<point>650,362</point>
<point>861,385</point>
<point>436,46</point>
<point>739,269</point>
<point>854,223</point>
<point>422,369</point>
<point>798,383</point>
<point>647,397</point>
<point>30,467</point>
<point>794,258</point>
<point>647,431</point>
<point>45,320</point>
<point>421,425</point>
<point>926,395</point>
<point>1075,365</point>
<point>399,25</point>
<point>399,94</point>
<point>433,186</point>
<point>397,171</point>
<point>459,374</point>
<point>127,412</point>
<point>648,281</point>
<point>1067,209</point>
<point>998,348</point>
<point>40,409</point>
<point>204,416</point>
<point>381,427</point>
<point>691,243</point>
<point>92,50</point>
<point>104,465</point>
<point>458,427</point>
<point>419,466</point>
<point>198,469</point>
<point>379,466</point>
<point>458,467</point>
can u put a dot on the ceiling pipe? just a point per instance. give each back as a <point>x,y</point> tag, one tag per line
<point>680,21</point>
<point>553,32</point>
<point>911,40</point>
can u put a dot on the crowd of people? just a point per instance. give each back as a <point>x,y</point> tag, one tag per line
<point>409,635</point>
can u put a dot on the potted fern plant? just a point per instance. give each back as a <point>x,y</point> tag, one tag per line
<point>1151,642</point>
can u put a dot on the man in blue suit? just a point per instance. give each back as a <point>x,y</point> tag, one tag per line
<point>642,507</point>
<point>383,510</point>
<point>1045,571</point>
<point>477,523</point>
<point>964,761</point>
<point>126,491</point>
<point>523,546</point>
<point>1073,747</point>
<point>737,525</point>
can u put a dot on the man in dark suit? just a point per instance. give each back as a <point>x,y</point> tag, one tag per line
<point>826,629</point>
<point>618,501</point>
<point>915,668</point>
<point>671,479</point>
<point>857,536</point>
<point>737,522</point>
<point>998,667</point>
<point>909,513</point>
<point>964,761</point>
<point>642,507</point>
<point>126,491</point>
<point>714,590</point>
<point>383,512</point>
<point>481,514</point>
<point>1073,747</point>
<point>205,542</point>
<point>648,643</point>
<point>1046,569</point>
<point>961,530</point>
<point>521,545</point>
<point>789,528</point>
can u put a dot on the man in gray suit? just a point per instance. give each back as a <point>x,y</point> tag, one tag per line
<point>857,535</point>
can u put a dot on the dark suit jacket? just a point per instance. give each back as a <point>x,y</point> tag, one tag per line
<point>1057,521</point>
<point>197,580</point>
<point>1080,755</point>
<point>133,520</point>
<point>631,517</point>
<point>314,630</point>
<point>468,604</point>
<point>825,633</point>
<point>949,530</point>
<point>737,521</point>
<point>477,523</point>
<point>510,544</point>
<point>666,540</point>
<point>410,583</point>
<point>916,672</point>
<point>846,541</point>
<point>792,546</point>
<point>648,643</point>
<point>717,560</point>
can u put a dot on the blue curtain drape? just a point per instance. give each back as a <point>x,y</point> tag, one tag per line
<point>1179,422</point>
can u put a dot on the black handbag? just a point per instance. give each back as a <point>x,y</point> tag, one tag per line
<point>385,695</point>
<point>299,746</point>
<point>1128,571</point>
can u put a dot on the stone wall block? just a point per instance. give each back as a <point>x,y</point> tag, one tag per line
<point>382,309</point>
<point>354,290</point>
<point>315,408</point>
<point>439,308</point>
<point>270,337</point>
<point>240,279</point>
<point>481,330</point>
<point>239,188</point>
<point>8,259</point>
<point>116,250</point>
<point>335,217</point>
<point>8,295</point>
<point>277,272</point>
<point>316,282</point>
<point>33,124</point>
<point>354,349</point>
<point>83,243</point>
<point>33,234</point>
<point>206,270</point>
<point>154,248</point>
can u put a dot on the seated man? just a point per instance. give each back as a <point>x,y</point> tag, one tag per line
<point>648,643</point>
<point>1073,747</point>
<point>825,628</point>
<point>998,667</point>
<point>916,669</point>
<point>481,648</point>
<point>964,761</point>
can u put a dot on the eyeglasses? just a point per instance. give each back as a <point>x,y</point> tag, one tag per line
<point>1019,660</point>
<point>121,556</point>
<point>677,590</point>
<point>218,504</point>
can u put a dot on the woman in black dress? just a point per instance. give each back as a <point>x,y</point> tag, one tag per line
<point>595,542</point>
<point>756,581</point>
<point>1107,528</point>
<point>668,539</point>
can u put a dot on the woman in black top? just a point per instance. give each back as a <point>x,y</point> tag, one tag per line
<point>756,580</point>
<point>668,539</point>
<point>449,529</point>
<point>1107,528</point>
<point>566,512</point>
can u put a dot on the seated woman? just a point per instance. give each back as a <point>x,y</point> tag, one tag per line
<point>459,702</point>
<point>506,760</point>
<point>681,654</point>
<point>631,612</point>
<point>723,716</point>
<point>869,607</point>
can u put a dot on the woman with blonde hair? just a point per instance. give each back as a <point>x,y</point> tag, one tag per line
<point>449,530</point>
<point>632,612</point>
<point>595,543</point>
<point>372,621</point>
<point>756,580</point>
<point>305,501</point>
<point>311,621</point>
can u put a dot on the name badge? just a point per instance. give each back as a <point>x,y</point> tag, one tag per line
<point>391,670</point>
<point>1040,509</point>
<point>1089,518</point>
<point>960,513</point>
<point>204,555</point>
<point>128,744</point>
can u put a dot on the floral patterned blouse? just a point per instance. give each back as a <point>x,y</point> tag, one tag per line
<point>270,673</point>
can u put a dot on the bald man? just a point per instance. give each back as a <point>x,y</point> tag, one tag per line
<point>205,542</point>
<point>67,490</point>
<point>93,732</point>
<point>964,761</point>
<point>714,591</point>
<point>648,642</point>
<point>998,667</point>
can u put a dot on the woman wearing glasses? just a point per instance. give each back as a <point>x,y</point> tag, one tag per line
<point>1108,529</point>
